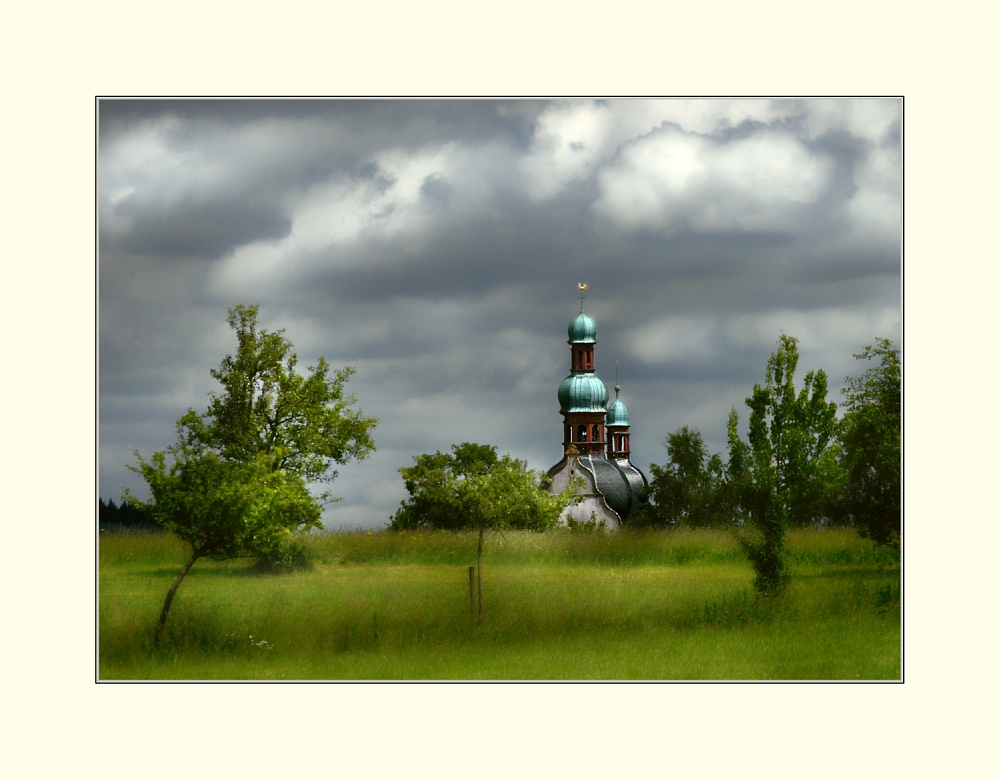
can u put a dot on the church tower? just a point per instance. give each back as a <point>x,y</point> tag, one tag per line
<point>595,438</point>
<point>582,394</point>
<point>617,426</point>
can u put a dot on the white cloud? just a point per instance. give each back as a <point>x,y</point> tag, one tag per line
<point>665,164</point>
<point>672,180</point>
<point>876,209</point>
<point>864,118</point>
<point>568,144</point>
<point>706,117</point>
<point>574,139</point>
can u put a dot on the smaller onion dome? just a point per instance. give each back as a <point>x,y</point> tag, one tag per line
<point>582,392</point>
<point>617,413</point>
<point>582,330</point>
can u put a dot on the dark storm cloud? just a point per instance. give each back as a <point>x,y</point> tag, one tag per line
<point>179,213</point>
<point>435,246</point>
<point>546,241</point>
<point>197,227</point>
<point>410,123</point>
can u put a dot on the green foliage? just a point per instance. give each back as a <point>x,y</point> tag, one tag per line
<point>235,485</point>
<point>225,509</point>
<point>432,484</point>
<point>474,488</point>
<point>777,475</point>
<point>302,424</point>
<point>690,490</point>
<point>591,525</point>
<point>871,435</point>
<point>292,555</point>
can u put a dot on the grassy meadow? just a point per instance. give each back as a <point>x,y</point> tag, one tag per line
<point>558,605</point>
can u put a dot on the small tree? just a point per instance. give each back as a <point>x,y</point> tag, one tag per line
<point>432,483</point>
<point>871,435</point>
<point>235,485</point>
<point>689,489</point>
<point>223,509</point>
<point>776,474</point>
<point>473,488</point>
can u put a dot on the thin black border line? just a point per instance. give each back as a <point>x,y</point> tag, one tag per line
<point>902,398</point>
<point>97,391</point>
<point>286,98</point>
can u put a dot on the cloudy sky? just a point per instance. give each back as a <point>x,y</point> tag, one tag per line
<point>436,246</point>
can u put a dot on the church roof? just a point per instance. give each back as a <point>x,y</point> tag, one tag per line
<point>582,392</point>
<point>582,330</point>
<point>619,482</point>
<point>617,413</point>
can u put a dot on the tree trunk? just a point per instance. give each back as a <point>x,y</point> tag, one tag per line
<point>472,593</point>
<point>170,597</point>
<point>479,568</point>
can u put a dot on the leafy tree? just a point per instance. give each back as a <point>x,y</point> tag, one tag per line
<point>871,435</point>
<point>473,488</point>
<point>690,489</point>
<point>777,475</point>
<point>432,482</point>
<point>447,492</point>
<point>236,483</point>
<point>303,424</point>
<point>221,508</point>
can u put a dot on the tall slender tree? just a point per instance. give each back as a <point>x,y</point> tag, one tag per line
<point>777,472</point>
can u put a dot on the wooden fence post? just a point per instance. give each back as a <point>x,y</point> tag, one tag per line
<point>472,592</point>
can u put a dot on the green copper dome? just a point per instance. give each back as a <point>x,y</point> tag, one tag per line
<point>582,392</point>
<point>617,413</point>
<point>582,330</point>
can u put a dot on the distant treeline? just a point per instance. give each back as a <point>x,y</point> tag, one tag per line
<point>125,515</point>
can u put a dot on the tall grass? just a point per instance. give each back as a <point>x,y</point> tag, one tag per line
<point>558,605</point>
<point>640,547</point>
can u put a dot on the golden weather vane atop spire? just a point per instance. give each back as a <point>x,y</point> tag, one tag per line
<point>582,286</point>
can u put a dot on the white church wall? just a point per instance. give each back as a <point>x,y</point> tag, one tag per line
<point>592,506</point>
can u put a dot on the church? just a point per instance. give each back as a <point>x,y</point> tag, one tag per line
<point>595,438</point>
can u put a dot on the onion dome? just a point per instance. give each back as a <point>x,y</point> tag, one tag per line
<point>582,392</point>
<point>582,330</point>
<point>617,413</point>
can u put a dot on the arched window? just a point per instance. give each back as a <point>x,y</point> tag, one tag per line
<point>597,432</point>
<point>569,433</point>
<point>582,431</point>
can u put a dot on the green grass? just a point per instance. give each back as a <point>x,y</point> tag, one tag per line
<point>651,605</point>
